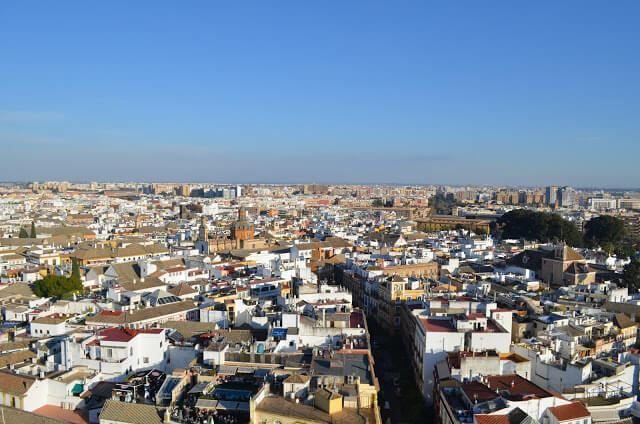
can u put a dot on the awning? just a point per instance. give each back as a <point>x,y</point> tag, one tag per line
<point>198,388</point>
<point>223,405</point>
<point>206,404</point>
<point>246,370</point>
<point>77,389</point>
<point>227,370</point>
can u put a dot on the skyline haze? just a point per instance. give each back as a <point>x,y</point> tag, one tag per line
<point>366,92</point>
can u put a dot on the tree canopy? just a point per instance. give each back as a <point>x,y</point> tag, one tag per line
<point>609,233</point>
<point>33,230</point>
<point>540,226</point>
<point>624,250</point>
<point>75,269</point>
<point>631,275</point>
<point>23,233</point>
<point>439,204</point>
<point>377,203</point>
<point>603,231</point>
<point>56,286</point>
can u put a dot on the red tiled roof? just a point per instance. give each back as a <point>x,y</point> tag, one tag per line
<point>478,391</point>
<point>491,419</point>
<point>175,269</point>
<point>124,335</point>
<point>516,386</point>
<point>571,411</point>
<point>58,413</point>
<point>437,325</point>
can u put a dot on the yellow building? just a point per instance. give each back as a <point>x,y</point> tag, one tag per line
<point>392,293</point>
<point>446,222</point>
<point>328,401</point>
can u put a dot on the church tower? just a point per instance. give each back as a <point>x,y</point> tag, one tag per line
<point>202,233</point>
<point>242,228</point>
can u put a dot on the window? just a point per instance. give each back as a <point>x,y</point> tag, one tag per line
<point>146,360</point>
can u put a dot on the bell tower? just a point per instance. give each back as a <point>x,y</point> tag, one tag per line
<point>202,233</point>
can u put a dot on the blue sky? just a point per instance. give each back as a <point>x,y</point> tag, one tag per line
<point>462,92</point>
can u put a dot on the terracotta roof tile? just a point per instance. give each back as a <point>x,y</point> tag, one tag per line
<point>571,411</point>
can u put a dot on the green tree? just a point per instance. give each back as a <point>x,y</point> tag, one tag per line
<point>631,275</point>
<point>33,230</point>
<point>604,231</point>
<point>440,204</point>
<point>540,226</point>
<point>480,231</point>
<point>75,269</point>
<point>56,286</point>
<point>378,203</point>
<point>23,233</point>
<point>624,251</point>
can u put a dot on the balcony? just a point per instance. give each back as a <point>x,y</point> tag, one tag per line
<point>114,360</point>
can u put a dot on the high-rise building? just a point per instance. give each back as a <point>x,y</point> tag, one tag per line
<point>567,197</point>
<point>551,193</point>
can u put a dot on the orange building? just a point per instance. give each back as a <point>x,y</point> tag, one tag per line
<point>242,228</point>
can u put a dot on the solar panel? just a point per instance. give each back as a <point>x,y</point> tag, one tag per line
<point>169,299</point>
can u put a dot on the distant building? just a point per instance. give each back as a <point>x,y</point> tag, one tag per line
<point>315,189</point>
<point>567,197</point>
<point>551,194</point>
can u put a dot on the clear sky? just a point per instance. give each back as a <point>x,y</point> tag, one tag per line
<point>449,92</point>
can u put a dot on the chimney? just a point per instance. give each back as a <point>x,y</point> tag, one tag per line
<point>513,383</point>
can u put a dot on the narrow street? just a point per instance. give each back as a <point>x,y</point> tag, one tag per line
<point>393,369</point>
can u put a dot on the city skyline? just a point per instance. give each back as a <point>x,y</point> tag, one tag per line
<point>369,93</point>
<point>302,183</point>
